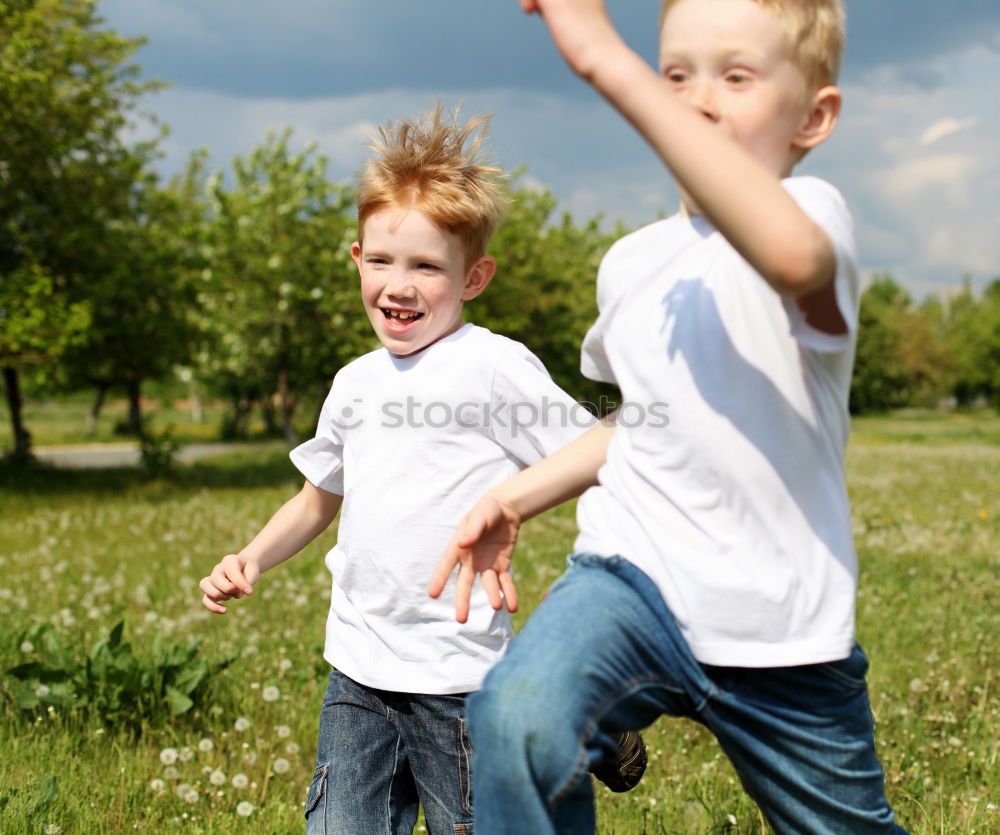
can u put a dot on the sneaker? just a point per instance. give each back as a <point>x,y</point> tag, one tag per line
<point>625,771</point>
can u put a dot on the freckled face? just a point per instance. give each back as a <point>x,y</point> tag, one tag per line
<point>730,59</point>
<point>413,279</point>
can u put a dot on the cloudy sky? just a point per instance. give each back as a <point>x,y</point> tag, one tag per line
<point>916,151</point>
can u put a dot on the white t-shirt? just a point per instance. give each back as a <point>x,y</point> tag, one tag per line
<point>724,481</point>
<point>411,443</point>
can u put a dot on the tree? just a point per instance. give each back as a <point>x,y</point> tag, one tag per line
<point>544,291</point>
<point>972,333</point>
<point>66,173</point>
<point>280,302</point>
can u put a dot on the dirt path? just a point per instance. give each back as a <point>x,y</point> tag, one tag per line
<point>93,456</point>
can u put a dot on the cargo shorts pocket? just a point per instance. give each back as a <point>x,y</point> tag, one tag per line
<point>317,788</point>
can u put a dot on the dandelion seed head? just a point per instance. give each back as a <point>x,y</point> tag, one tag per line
<point>281,765</point>
<point>244,809</point>
<point>42,691</point>
<point>205,745</point>
<point>217,778</point>
<point>283,731</point>
<point>157,785</point>
<point>168,756</point>
<point>292,748</point>
<point>171,773</point>
<point>27,646</point>
<point>191,796</point>
<point>53,829</point>
<point>285,664</point>
<point>185,754</point>
<point>240,781</point>
<point>270,693</point>
<point>241,724</point>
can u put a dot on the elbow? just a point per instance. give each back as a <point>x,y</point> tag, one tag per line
<point>804,266</point>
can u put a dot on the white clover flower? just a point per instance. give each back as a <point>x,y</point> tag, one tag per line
<point>270,693</point>
<point>186,754</point>
<point>240,781</point>
<point>244,809</point>
<point>168,756</point>
<point>283,731</point>
<point>171,773</point>
<point>241,724</point>
<point>27,646</point>
<point>281,765</point>
<point>191,796</point>
<point>157,785</point>
<point>42,691</point>
<point>292,748</point>
<point>217,778</point>
<point>205,745</point>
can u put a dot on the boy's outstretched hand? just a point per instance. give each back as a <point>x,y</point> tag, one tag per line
<point>232,578</point>
<point>483,545</point>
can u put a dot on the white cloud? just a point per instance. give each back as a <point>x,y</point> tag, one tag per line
<point>945,127</point>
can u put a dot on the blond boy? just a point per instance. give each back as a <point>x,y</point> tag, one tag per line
<point>408,437</point>
<point>716,576</point>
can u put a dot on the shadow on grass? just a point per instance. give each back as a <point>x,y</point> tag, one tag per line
<point>245,469</point>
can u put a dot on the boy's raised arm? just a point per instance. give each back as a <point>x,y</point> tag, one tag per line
<point>486,536</point>
<point>738,194</point>
<point>297,523</point>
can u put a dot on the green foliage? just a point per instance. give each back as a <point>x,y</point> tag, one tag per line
<point>278,297</point>
<point>972,333</point>
<point>109,683</point>
<point>901,359</point>
<point>544,292</point>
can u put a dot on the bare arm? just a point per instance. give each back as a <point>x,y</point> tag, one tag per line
<point>485,539</point>
<point>297,523</point>
<point>742,198</point>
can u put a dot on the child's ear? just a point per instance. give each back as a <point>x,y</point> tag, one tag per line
<point>820,119</point>
<point>356,254</point>
<point>478,277</point>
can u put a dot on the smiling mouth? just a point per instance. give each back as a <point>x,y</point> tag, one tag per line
<point>401,315</point>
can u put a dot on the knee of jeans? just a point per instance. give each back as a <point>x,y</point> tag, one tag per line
<point>524,724</point>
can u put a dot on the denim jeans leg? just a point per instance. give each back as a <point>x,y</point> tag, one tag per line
<point>802,741</point>
<point>440,756</point>
<point>586,664</point>
<point>362,781</point>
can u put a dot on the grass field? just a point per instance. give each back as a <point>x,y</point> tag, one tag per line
<point>84,550</point>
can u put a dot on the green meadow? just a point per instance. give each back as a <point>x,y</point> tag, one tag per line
<point>224,740</point>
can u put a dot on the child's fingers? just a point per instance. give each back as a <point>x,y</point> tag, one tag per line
<point>509,590</point>
<point>446,565</point>
<point>489,580</point>
<point>463,591</point>
<point>230,571</point>
<point>212,591</point>
<point>212,606</point>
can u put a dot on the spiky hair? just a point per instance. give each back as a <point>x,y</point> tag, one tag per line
<point>437,166</point>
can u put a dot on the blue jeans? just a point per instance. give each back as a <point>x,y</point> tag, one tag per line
<point>602,653</point>
<point>382,754</point>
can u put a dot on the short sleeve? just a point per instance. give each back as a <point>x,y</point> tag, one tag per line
<point>826,207</point>
<point>321,458</point>
<point>531,416</point>
<point>594,362</point>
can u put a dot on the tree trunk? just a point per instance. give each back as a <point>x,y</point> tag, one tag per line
<point>134,388</point>
<point>285,403</point>
<point>95,410</point>
<point>15,403</point>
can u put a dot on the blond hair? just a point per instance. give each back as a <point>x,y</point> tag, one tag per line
<point>435,165</point>
<point>815,31</point>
